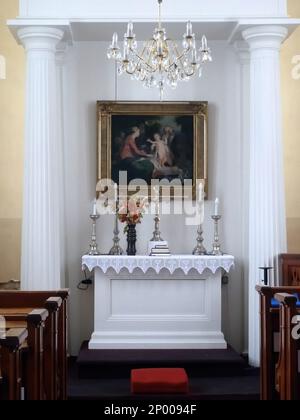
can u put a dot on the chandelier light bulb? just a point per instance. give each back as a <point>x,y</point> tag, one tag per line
<point>115,40</point>
<point>189,29</point>
<point>160,61</point>
<point>160,49</point>
<point>130,30</point>
<point>126,54</point>
<point>194,57</point>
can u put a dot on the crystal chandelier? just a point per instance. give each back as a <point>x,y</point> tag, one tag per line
<point>160,62</point>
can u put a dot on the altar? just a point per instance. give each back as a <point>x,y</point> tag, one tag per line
<point>146,302</point>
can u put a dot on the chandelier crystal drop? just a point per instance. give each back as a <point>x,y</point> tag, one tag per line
<point>160,62</point>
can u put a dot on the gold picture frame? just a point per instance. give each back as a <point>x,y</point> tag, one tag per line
<point>195,112</point>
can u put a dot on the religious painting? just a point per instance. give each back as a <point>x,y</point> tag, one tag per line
<point>153,141</point>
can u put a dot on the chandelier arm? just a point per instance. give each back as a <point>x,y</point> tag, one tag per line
<point>141,59</point>
<point>168,67</point>
<point>180,56</point>
<point>131,72</point>
<point>151,47</point>
<point>184,52</point>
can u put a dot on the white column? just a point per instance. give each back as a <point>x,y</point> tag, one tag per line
<point>267,222</point>
<point>40,269</point>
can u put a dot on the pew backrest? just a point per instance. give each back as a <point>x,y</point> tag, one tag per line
<point>290,269</point>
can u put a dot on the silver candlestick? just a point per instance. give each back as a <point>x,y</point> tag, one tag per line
<point>216,244</point>
<point>93,245</point>
<point>200,249</point>
<point>116,249</point>
<point>156,234</point>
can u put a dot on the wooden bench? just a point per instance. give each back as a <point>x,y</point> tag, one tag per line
<point>11,363</point>
<point>287,370</point>
<point>290,269</point>
<point>35,355</point>
<point>270,326</point>
<point>50,339</point>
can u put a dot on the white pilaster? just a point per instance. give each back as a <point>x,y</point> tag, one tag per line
<point>41,248</point>
<point>267,223</point>
<point>242,50</point>
<point>60,63</point>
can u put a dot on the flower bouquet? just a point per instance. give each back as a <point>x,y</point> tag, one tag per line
<point>131,212</point>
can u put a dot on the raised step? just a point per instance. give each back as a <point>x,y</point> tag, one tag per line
<point>217,388</point>
<point>114,364</point>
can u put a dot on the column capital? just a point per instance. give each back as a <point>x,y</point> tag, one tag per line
<point>265,37</point>
<point>40,38</point>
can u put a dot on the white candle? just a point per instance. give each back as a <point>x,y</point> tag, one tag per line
<point>116,192</point>
<point>126,52</point>
<point>201,192</point>
<point>94,212</point>
<point>115,40</point>
<point>194,56</point>
<point>217,203</point>
<point>189,28</point>
<point>156,193</point>
<point>156,199</point>
<point>201,202</point>
<point>130,30</point>
<point>160,49</point>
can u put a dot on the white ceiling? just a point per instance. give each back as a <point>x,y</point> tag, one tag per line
<point>96,31</point>
<point>84,30</point>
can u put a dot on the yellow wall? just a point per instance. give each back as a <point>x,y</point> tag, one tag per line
<point>11,146</point>
<point>11,141</point>
<point>291,127</point>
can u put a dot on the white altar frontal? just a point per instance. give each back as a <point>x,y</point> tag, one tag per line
<point>146,302</point>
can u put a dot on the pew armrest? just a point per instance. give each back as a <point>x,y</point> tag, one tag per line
<point>53,304</point>
<point>37,316</point>
<point>14,338</point>
<point>262,289</point>
<point>286,299</point>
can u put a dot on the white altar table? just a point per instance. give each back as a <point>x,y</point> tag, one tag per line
<point>147,302</point>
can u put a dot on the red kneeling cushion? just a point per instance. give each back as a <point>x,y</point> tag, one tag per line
<point>159,381</point>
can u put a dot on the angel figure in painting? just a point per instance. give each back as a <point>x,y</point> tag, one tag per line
<point>163,154</point>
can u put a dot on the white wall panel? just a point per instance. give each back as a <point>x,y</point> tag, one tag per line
<point>173,9</point>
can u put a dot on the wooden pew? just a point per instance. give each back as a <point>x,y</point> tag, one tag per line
<point>290,269</point>
<point>11,363</point>
<point>270,324</point>
<point>287,377</point>
<point>46,339</point>
<point>33,357</point>
<point>55,335</point>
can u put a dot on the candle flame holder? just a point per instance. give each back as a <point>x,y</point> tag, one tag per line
<point>216,245</point>
<point>93,245</point>
<point>200,249</point>
<point>116,249</point>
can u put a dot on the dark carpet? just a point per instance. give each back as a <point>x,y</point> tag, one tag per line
<point>104,375</point>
